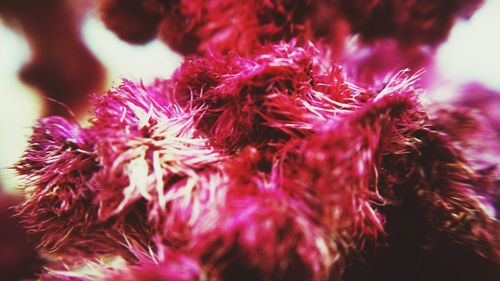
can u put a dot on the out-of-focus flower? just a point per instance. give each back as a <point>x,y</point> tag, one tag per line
<point>413,22</point>
<point>226,25</point>
<point>472,125</point>
<point>61,66</point>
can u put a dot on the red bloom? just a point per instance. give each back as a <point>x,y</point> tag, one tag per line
<point>269,166</point>
<point>280,92</point>
<point>146,141</point>
<point>204,26</point>
<point>57,165</point>
<point>59,206</point>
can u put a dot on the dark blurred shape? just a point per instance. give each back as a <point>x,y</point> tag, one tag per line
<point>133,21</point>
<point>404,257</point>
<point>200,27</point>
<point>411,22</point>
<point>472,120</point>
<point>61,66</point>
<point>18,257</point>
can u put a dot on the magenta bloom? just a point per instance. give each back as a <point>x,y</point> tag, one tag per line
<point>269,166</point>
<point>59,206</point>
<point>147,140</point>
<point>57,166</point>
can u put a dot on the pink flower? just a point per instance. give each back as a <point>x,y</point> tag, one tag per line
<point>270,167</point>
<point>146,141</point>
<point>58,163</point>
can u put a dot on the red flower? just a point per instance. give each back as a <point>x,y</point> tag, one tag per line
<point>268,167</point>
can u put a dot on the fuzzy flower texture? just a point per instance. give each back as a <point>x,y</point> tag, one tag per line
<point>263,167</point>
<point>260,160</point>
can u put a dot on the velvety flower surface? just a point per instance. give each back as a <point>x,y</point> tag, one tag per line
<point>388,35</point>
<point>270,166</point>
<point>59,206</point>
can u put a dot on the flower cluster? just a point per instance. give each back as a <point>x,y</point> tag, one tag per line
<point>371,39</point>
<point>268,166</point>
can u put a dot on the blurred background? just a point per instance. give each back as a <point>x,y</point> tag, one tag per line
<point>471,55</point>
<point>21,104</point>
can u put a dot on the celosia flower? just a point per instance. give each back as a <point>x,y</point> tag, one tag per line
<point>429,173</point>
<point>262,167</point>
<point>264,237</point>
<point>146,141</point>
<point>58,166</point>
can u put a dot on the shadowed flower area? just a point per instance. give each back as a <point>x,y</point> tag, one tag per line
<point>228,25</point>
<point>18,257</point>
